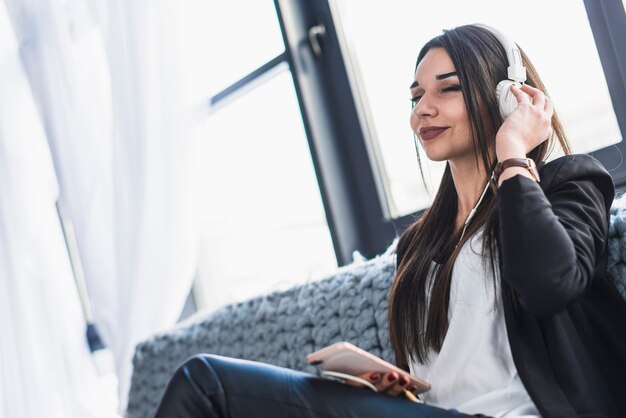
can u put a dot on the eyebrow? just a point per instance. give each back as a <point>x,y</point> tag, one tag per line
<point>437,77</point>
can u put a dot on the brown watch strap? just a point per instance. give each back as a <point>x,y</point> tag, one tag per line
<point>526,163</point>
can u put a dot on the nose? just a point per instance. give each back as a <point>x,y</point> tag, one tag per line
<point>425,107</point>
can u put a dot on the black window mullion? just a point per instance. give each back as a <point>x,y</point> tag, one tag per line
<point>261,74</point>
<point>608,24</point>
<point>334,131</point>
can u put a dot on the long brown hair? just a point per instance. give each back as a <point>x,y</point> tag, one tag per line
<point>418,322</point>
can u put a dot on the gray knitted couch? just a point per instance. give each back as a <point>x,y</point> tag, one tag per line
<point>283,327</point>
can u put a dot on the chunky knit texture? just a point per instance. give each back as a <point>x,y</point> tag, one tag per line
<point>280,328</point>
<point>617,246</point>
<point>283,327</point>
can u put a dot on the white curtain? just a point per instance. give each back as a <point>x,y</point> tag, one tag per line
<point>156,238</point>
<point>105,76</point>
<point>45,365</point>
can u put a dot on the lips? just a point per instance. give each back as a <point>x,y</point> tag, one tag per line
<point>431,132</point>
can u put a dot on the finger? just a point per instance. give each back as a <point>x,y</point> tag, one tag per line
<point>520,95</point>
<point>398,388</point>
<point>387,381</point>
<point>372,377</point>
<point>538,98</point>
<point>530,90</point>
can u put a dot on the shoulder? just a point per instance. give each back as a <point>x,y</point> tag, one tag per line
<point>580,169</point>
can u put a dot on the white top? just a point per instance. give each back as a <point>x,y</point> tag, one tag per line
<point>474,371</point>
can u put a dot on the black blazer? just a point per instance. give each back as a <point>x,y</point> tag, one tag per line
<point>565,320</point>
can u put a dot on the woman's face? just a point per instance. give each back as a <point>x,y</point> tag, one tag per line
<point>439,117</point>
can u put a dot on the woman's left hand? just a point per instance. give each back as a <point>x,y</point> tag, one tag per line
<point>390,383</point>
<point>527,126</point>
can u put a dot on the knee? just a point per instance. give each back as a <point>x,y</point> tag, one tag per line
<point>194,386</point>
<point>198,370</point>
<point>197,361</point>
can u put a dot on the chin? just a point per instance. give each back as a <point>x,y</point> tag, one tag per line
<point>435,156</point>
<point>435,151</point>
<point>437,159</point>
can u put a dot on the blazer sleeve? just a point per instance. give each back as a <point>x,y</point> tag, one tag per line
<point>554,233</point>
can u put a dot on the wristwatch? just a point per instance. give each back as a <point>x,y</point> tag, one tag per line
<point>526,163</point>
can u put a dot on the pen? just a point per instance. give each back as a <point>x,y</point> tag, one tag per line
<point>411,396</point>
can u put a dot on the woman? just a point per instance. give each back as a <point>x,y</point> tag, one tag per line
<point>500,298</point>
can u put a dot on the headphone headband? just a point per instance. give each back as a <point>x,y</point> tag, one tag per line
<point>516,70</point>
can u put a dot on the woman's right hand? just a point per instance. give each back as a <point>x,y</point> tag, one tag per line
<point>528,126</point>
<point>390,383</point>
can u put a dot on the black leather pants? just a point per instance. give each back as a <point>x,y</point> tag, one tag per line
<point>209,386</point>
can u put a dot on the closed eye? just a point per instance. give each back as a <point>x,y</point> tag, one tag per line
<point>454,87</point>
<point>447,89</point>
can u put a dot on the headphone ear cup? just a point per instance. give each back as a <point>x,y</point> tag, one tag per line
<point>506,100</point>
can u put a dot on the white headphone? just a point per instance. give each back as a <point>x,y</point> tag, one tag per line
<point>516,73</point>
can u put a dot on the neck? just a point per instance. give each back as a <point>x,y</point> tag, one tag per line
<point>469,182</point>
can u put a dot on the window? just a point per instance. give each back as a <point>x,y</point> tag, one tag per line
<point>567,60</point>
<point>264,224</point>
<point>262,219</point>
